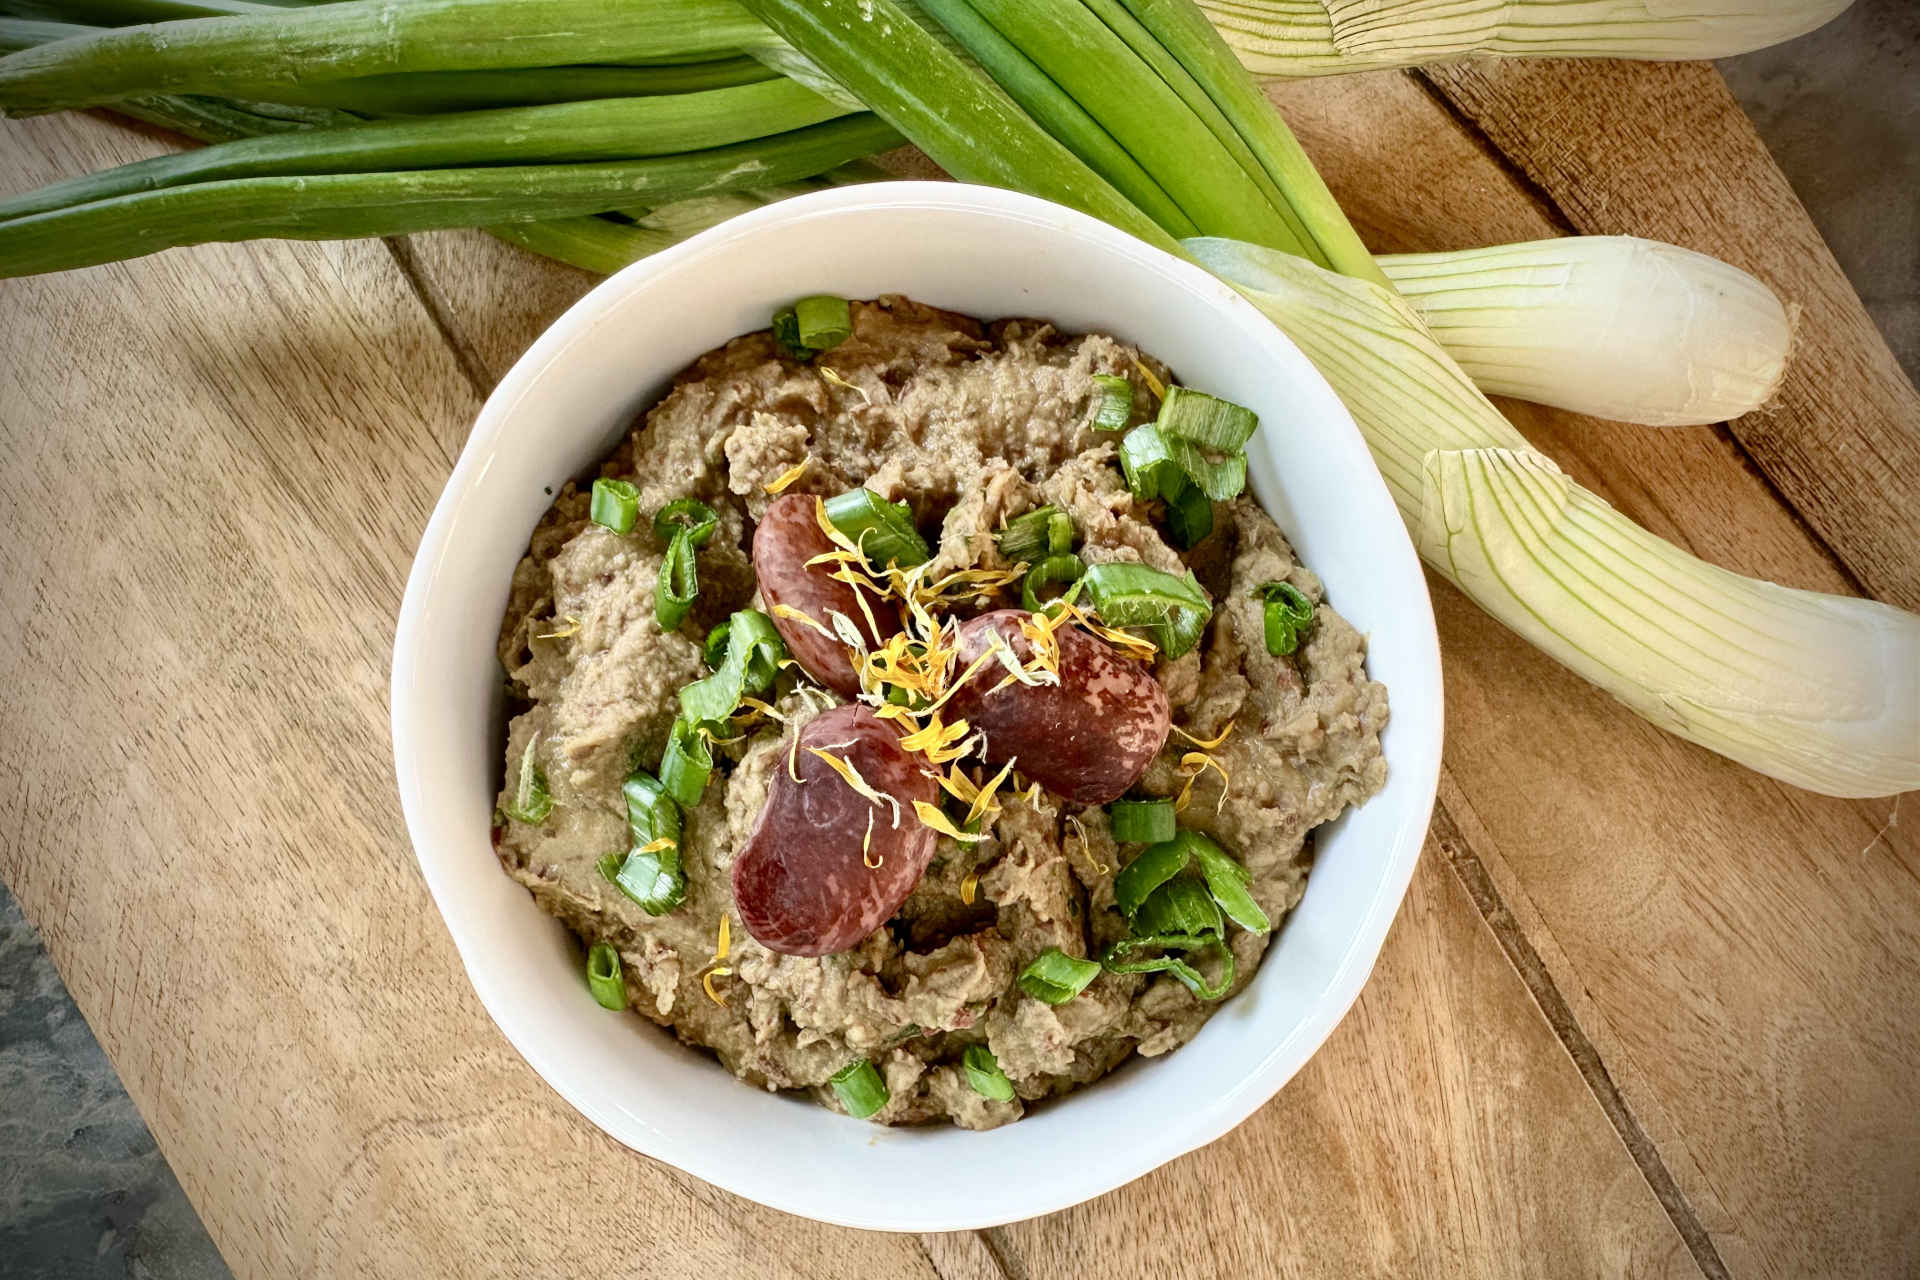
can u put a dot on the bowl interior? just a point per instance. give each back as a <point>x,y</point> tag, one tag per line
<point>985,253</point>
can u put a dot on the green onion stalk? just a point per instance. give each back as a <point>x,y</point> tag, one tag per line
<point>1821,691</point>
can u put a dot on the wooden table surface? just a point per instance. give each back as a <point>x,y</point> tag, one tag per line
<point>1643,1012</point>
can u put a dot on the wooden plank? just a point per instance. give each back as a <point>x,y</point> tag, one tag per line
<point>219,463</point>
<point>1662,150</point>
<point>1717,935</point>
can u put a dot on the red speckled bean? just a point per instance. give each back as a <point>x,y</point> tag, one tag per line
<point>790,535</point>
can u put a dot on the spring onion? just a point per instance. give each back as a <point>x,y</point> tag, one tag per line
<point>1054,571</point>
<point>1315,38</point>
<point>1181,906</point>
<point>1060,533</point>
<point>1227,882</point>
<point>1206,420</point>
<point>1136,955</point>
<point>651,813</point>
<point>714,651</point>
<point>1218,476</point>
<point>615,505</point>
<point>532,803</point>
<point>1173,611</point>
<point>823,321</point>
<point>689,514</point>
<point>252,55</point>
<point>1028,538</point>
<point>1141,822</point>
<point>342,206</point>
<point>1285,615</point>
<point>1821,691</point>
<point>604,978</point>
<point>686,765</point>
<point>1055,977</point>
<point>860,1089</point>
<point>655,881</point>
<point>1148,463</point>
<point>984,1074</point>
<point>752,659</point>
<point>1114,408</point>
<point>619,129</point>
<point>1607,325</point>
<point>678,583</point>
<point>883,530</point>
<point>1189,516</point>
<point>785,328</point>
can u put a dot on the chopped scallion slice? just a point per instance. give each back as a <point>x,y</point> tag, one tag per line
<point>1189,516</point>
<point>883,530</point>
<point>1028,538</point>
<point>532,803</point>
<point>651,813</point>
<point>1180,906</point>
<point>1219,477</point>
<point>1114,409</point>
<point>1287,614</point>
<point>691,514</point>
<point>786,335</point>
<point>1155,865</point>
<point>604,978</point>
<point>1173,610</point>
<point>1060,533</point>
<point>823,321</point>
<point>1206,420</point>
<point>686,764</point>
<point>615,505</point>
<point>679,582</point>
<point>860,1088</point>
<point>656,881</point>
<point>1227,881</point>
<point>1148,463</point>
<point>1141,822</point>
<point>984,1074</point>
<point>1124,957</point>
<point>752,660</point>
<point>1055,977</point>
<point>714,651</point>
<point>1053,571</point>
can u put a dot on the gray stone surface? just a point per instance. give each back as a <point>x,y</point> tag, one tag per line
<point>1840,110</point>
<point>84,1194</point>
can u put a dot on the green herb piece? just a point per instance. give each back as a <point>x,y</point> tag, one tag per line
<point>753,655</point>
<point>1228,882</point>
<point>678,585</point>
<point>651,813</point>
<point>786,335</point>
<point>615,505</point>
<point>984,1074</point>
<point>1124,957</point>
<point>690,514</point>
<point>604,978</point>
<point>1148,463</point>
<point>1115,408</point>
<point>531,801</point>
<point>1141,822</point>
<point>1189,516</point>
<point>1060,533</point>
<point>860,1088</point>
<point>686,764</point>
<point>1064,570</point>
<point>1286,615</point>
<point>656,881</point>
<point>1028,538</point>
<point>1181,906</point>
<point>1173,610</point>
<point>1208,421</point>
<point>882,530</point>
<point>1055,977</point>
<point>714,651</point>
<point>823,321</point>
<point>1219,477</point>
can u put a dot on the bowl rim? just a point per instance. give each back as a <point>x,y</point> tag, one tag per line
<point>1279,1062</point>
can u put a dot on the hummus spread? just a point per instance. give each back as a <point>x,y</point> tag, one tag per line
<point>971,425</point>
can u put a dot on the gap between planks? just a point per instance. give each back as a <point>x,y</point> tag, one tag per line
<point>472,367</point>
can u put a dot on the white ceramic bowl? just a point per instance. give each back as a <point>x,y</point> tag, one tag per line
<point>985,253</point>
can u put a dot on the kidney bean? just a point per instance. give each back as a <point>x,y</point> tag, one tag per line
<point>1088,738</point>
<point>803,883</point>
<point>789,535</point>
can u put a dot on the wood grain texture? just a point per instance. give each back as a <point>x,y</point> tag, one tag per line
<point>218,464</point>
<point>1664,151</point>
<point>1644,1013</point>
